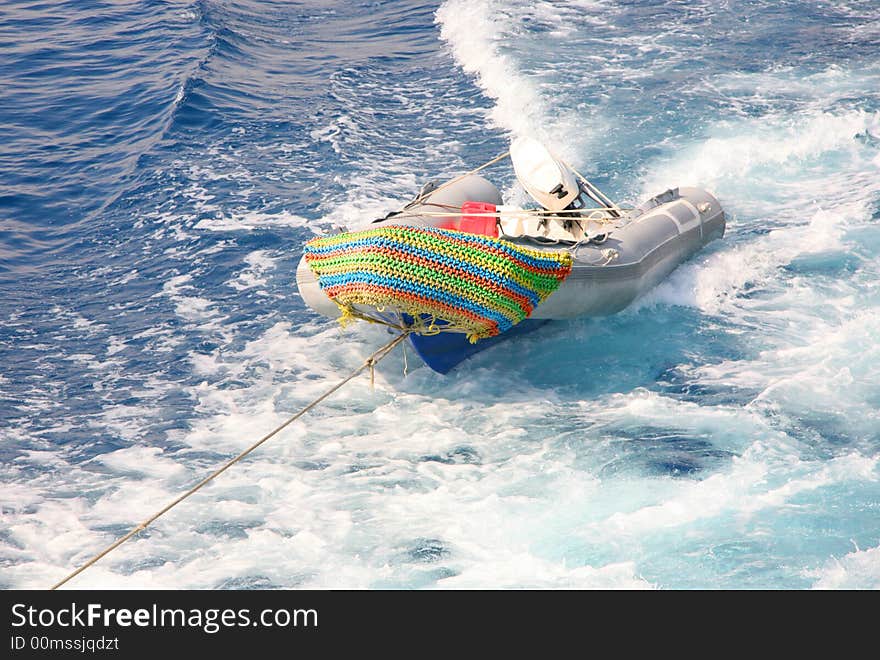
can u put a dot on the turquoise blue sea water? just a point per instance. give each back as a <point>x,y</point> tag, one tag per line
<point>162,162</point>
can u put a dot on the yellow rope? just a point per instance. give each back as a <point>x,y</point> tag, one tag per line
<point>418,326</point>
<point>369,363</point>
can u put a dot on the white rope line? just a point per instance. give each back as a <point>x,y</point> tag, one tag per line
<point>421,198</point>
<point>602,197</point>
<point>505,214</point>
<point>369,363</point>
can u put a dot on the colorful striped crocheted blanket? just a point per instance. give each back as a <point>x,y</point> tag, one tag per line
<point>474,284</point>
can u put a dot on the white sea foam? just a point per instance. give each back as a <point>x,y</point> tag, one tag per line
<point>744,490</point>
<point>251,220</point>
<point>259,264</point>
<point>750,158</point>
<point>859,569</point>
<point>348,499</point>
<point>480,35</point>
<point>527,572</point>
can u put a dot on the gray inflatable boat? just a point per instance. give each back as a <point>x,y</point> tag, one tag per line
<point>617,254</point>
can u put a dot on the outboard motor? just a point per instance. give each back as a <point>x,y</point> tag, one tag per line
<point>550,182</point>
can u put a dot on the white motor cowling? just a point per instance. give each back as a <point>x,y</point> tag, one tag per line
<point>546,178</point>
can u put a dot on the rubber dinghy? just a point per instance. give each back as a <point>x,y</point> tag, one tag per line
<point>463,271</point>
